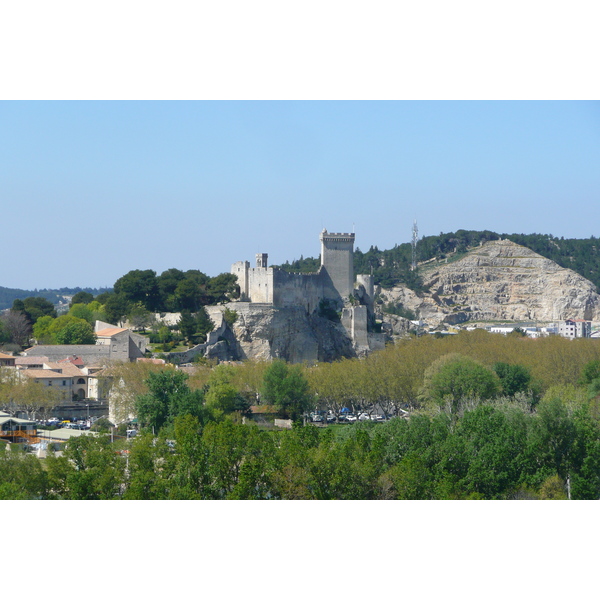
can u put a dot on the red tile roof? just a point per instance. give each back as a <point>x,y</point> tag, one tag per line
<point>110,331</point>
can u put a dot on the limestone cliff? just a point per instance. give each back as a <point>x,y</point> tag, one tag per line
<point>263,332</point>
<point>500,281</point>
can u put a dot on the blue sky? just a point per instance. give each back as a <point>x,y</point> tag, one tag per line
<point>91,190</point>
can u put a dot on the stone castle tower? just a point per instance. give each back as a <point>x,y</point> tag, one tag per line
<point>337,260</point>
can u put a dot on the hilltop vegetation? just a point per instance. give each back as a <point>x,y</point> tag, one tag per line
<point>392,267</point>
<point>9,295</point>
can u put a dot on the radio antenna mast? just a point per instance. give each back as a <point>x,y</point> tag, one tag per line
<point>415,239</point>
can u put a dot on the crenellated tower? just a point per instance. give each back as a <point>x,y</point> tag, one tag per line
<point>337,259</point>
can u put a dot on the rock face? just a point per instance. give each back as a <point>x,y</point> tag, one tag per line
<point>500,281</point>
<point>263,332</point>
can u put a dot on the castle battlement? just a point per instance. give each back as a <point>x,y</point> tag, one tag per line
<point>338,237</point>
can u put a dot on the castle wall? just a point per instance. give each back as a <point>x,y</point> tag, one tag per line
<point>354,321</point>
<point>297,289</point>
<point>260,284</point>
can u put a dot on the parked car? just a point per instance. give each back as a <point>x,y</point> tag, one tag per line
<point>350,417</point>
<point>363,417</point>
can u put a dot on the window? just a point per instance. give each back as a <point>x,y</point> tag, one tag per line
<point>64,382</point>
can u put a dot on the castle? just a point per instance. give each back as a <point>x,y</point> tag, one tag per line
<point>333,286</point>
<point>334,281</point>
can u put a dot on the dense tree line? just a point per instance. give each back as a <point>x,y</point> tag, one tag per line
<point>9,295</point>
<point>392,267</point>
<point>491,417</point>
<point>491,451</point>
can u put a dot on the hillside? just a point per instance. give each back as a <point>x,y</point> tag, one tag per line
<point>498,281</point>
<point>9,295</point>
<point>392,267</point>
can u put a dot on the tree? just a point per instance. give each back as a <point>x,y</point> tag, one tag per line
<point>4,333</point>
<point>76,333</point>
<point>82,311</point>
<point>35,307</point>
<point>22,477</point>
<point>167,283</point>
<point>456,378</point>
<point>28,396</point>
<point>187,295</point>
<point>116,307</point>
<point>81,298</point>
<point>139,286</point>
<point>204,324</point>
<point>286,387</point>
<point>222,397</point>
<point>140,317</point>
<point>187,325</point>
<point>222,288</point>
<point>89,469</point>
<point>590,372</point>
<point>168,397</point>
<point>513,378</point>
<point>18,326</point>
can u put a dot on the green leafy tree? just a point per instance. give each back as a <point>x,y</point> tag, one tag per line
<point>34,308</point>
<point>41,330</point>
<point>222,288</point>
<point>513,378</point>
<point>4,333</point>
<point>455,378</point>
<point>230,316</point>
<point>286,387</point>
<point>116,307</point>
<point>139,286</point>
<point>168,397</point>
<point>22,476</point>
<point>76,333</point>
<point>187,295</point>
<point>149,468</point>
<point>222,397</point>
<point>590,372</point>
<point>167,283</point>
<point>187,325</point>
<point>88,470</point>
<point>204,325</point>
<point>196,327</point>
<point>81,298</point>
<point>82,311</point>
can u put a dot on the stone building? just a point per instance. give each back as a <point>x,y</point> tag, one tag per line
<point>112,344</point>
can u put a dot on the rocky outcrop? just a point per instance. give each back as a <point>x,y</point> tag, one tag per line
<point>500,281</point>
<point>264,332</point>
